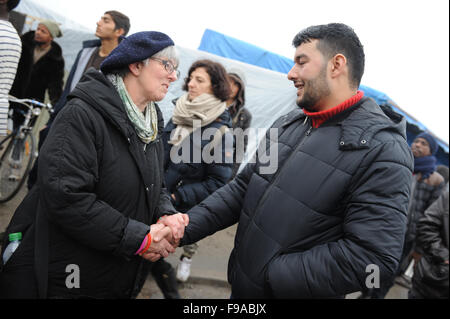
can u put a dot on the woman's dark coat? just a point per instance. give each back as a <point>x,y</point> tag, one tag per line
<point>100,188</point>
<point>193,180</point>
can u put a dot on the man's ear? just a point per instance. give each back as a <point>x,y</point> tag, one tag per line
<point>119,32</point>
<point>338,65</point>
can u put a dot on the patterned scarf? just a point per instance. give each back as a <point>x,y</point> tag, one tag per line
<point>146,126</point>
<point>203,109</point>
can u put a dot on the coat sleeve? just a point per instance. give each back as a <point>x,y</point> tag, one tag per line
<point>68,172</point>
<point>219,211</point>
<point>58,105</point>
<point>430,229</point>
<point>217,174</point>
<point>55,85</point>
<point>373,230</point>
<point>223,208</point>
<point>165,206</point>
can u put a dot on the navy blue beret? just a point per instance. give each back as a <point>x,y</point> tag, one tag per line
<point>134,48</point>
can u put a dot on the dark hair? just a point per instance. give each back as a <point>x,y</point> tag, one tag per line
<point>240,96</point>
<point>11,4</point>
<point>120,20</point>
<point>217,74</point>
<point>335,38</point>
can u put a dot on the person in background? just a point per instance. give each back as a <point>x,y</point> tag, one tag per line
<point>100,182</point>
<point>443,170</point>
<point>112,27</point>
<point>241,117</point>
<point>202,109</point>
<point>427,186</point>
<point>337,199</point>
<point>430,279</point>
<point>10,50</point>
<point>41,67</point>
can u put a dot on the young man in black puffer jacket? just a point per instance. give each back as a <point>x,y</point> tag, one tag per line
<point>332,201</point>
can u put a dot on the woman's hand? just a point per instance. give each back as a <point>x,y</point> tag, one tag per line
<point>160,246</point>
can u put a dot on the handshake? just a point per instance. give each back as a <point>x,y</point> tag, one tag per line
<point>165,236</point>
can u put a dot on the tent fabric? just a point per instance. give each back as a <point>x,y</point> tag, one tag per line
<point>222,45</point>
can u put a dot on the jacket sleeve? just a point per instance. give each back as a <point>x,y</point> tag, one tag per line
<point>223,208</point>
<point>165,206</point>
<point>63,98</point>
<point>217,174</point>
<point>436,193</point>
<point>68,172</point>
<point>55,86</point>
<point>373,230</point>
<point>430,229</point>
<point>218,211</point>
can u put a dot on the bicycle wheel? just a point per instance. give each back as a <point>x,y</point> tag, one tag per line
<point>15,163</point>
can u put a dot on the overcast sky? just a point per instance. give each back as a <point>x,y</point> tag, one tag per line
<point>406,41</point>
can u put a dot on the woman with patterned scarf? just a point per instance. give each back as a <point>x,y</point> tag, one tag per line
<point>90,222</point>
<point>198,143</point>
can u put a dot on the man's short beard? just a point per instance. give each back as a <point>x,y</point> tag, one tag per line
<point>314,91</point>
<point>39,42</point>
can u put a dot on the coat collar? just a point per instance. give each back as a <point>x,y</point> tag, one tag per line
<point>359,124</point>
<point>96,90</point>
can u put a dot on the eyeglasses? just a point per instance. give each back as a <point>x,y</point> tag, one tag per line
<point>168,66</point>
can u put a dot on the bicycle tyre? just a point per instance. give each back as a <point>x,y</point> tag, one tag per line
<point>9,187</point>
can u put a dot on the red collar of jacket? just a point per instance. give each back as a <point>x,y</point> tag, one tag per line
<point>318,118</point>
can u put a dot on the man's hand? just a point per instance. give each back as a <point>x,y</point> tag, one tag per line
<point>177,223</point>
<point>160,246</point>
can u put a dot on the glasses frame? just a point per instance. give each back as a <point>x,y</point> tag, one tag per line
<point>168,66</point>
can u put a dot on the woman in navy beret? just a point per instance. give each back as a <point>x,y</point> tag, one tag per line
<point>89,226</point>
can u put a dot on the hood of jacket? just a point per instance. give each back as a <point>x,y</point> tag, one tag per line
<point>96,90</point>
<point>360,123</point>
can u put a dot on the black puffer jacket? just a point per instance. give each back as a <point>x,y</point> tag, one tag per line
<point>101,189</point>
<point>423,195</point>
<point>193,180</point>
<point>431,274</point>
<point>336,203</point>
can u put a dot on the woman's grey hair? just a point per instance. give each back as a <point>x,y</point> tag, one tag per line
<point>169,53</point>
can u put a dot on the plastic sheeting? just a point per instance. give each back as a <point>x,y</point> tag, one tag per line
<point>222,45</point>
